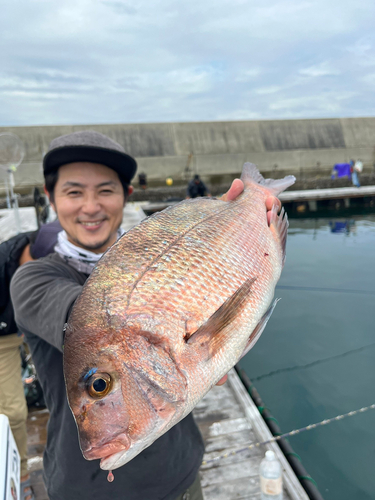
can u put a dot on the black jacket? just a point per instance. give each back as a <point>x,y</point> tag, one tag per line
<point>43,292</point>
<point>41,243</point>
<point>10,253</point>
<point>196,189</point>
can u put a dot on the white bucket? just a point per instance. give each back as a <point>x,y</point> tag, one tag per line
<point>9,463</point>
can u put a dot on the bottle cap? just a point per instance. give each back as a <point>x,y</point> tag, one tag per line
<point>270,455</point>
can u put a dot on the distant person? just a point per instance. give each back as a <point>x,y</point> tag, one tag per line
<point>196,188</point>
<point>354,173</point>
<point>142,180</point>
<point>358,166</point>
<point>41,207</point>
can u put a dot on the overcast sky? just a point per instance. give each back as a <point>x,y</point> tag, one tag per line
<point>116,61</point>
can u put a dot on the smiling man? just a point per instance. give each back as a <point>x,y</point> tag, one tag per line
<point>87,179</point>
<point>88,199</point>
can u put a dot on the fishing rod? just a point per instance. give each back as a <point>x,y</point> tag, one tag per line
<point>291,433</point>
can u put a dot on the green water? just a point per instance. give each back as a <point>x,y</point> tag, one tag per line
<point>316,358</point>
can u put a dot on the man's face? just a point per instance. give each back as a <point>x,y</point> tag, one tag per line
<point>89,202</point>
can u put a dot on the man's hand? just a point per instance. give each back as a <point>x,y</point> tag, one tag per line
<point>235,190</point>
<point>223,380</point>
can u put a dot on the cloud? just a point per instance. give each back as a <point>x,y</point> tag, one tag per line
<point>267,90</point>
<point>318,70</point>
<point>248,75</point>
<point>115,61</point>
<point>369,79</point>
<point>330,102</point>
<point>364,51</point>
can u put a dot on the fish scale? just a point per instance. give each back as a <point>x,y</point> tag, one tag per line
<point>168,310</point>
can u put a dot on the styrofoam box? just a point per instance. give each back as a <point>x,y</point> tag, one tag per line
<point>9,463</point>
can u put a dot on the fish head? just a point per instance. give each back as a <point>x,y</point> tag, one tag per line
<point>124,390</point>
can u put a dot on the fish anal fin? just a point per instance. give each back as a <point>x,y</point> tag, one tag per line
<point>258,330</point>
<point>279,225</point>
<point>210,332</point>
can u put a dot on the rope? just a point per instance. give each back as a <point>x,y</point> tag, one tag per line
<point>291,433</point>
<point>308,478</point>
<point>292,454</point>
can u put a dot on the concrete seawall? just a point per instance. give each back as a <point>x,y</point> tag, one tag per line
<point>217,150</point>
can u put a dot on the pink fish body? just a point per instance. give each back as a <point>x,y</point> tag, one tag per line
<point>169,309</point>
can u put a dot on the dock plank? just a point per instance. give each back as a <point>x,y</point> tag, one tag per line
<point>36,440</point>
<point>237,476</point>
<point>227,441</point>
<point>241,470</point>
<point>293,196</point>
<point>327,194</point>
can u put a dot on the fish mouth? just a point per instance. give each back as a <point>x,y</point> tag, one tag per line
<point>109,463</point>
<point>120,458</point>
<point>120,444</point>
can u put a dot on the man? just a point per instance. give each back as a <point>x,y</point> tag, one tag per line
<point>14,252</point>
<point>356,168</point>
<point>196,187</point>
<point>87,179</point>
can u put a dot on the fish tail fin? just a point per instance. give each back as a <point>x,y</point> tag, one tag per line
<point>279,225</point>
<point>251,175</point>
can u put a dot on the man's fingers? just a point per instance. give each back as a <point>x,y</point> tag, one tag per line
<point>223,380</point>
<point>270,202</point>
<point>235,190</point>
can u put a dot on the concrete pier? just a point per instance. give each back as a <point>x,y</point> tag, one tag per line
<point>217,150</point>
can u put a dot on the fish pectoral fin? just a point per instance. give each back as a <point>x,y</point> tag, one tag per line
<point>258,330</point>
<point>210,331</point>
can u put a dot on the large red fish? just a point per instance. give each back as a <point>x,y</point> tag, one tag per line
<point>168,310</point>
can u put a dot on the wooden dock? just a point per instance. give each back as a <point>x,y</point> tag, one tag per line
<point>327,194</point>
<point>228,420</point>
<point>311,197</point>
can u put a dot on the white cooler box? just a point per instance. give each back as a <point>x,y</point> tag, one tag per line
<point>9,463</point>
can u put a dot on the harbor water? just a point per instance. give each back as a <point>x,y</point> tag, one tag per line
<point>316,358</point>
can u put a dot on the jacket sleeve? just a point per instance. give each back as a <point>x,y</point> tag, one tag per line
<point>42,296</point>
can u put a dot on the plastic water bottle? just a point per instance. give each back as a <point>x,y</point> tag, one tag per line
<point>271,482</point>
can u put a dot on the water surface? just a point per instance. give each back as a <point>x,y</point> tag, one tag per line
<point>316,358</point>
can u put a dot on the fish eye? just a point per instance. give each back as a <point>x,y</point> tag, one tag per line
<point>99,385</point>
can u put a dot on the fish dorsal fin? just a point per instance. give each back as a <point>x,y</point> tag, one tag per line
<point>223,316</point>
<point>250,175</point>
<point>279,224</point>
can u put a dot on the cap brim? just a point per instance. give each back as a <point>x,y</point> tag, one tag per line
<point>123,164</point>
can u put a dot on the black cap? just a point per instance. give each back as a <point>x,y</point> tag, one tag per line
<point>91,146</point>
